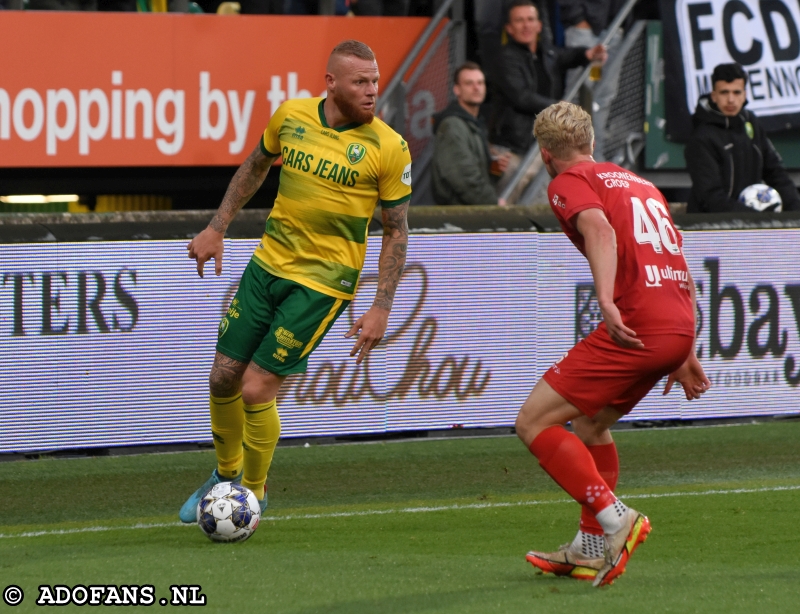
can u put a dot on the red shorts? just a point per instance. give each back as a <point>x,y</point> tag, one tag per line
<point>597,373</point>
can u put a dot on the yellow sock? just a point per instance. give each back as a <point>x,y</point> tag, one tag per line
<point>227,425</point>
<point>262,428</point>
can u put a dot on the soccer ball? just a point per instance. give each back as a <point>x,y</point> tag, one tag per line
<point>228,513</point>
<point>761,197</point>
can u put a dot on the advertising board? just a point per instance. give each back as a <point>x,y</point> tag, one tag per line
<point>122,89</point>
<point>110,343</point>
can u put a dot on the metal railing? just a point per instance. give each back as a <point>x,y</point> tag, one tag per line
<point>392,107</point>
<point>542,177</point>
<point>423,86</point>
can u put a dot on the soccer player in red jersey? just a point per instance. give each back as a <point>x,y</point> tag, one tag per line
<point>621,223</point>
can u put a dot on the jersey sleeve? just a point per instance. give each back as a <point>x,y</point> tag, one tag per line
<point>569,195</point>
<point>270,140</point>
<point>394,181</point>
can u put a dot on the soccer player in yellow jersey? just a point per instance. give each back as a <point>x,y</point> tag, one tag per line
<point>339,162</point>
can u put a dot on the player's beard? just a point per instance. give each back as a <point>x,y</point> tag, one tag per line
<point>351,110</point>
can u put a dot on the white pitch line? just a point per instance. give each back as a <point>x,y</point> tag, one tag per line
<point>155,525</point>
<point>405,510</point>
<point>475,506</point>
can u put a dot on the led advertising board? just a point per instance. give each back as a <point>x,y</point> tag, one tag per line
<point>110,343</point>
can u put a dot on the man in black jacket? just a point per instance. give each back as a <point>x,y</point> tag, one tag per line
<point>532,76</point>
<point>530,80</point>
<point>728,149</point>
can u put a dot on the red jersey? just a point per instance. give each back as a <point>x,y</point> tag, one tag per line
<point>651,289</point>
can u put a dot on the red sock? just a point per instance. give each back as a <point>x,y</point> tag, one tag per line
<point>607,463</point>
<point>562,455</point>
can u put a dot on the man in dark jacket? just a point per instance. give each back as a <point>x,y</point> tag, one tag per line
<point>532,77</point>
<point>728,149</point>
<point>461,158</point>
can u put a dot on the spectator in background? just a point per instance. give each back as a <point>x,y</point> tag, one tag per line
<point>461,158</point>
<point>531,79</point>
<point>586,24</point>
<point>728,149</point>
<point>489,18</point>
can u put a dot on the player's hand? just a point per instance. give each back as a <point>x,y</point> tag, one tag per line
<point>372,326</point>
<point>205,246</point>
<point>691,376</point>
<point>623,336</point>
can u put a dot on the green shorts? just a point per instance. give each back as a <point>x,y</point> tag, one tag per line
<point>276,322</point>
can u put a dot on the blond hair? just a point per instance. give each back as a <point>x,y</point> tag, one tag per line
<point>354,48</point>
<point>564,129</point>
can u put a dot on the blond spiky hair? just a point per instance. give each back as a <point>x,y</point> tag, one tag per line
<point>564,129</point>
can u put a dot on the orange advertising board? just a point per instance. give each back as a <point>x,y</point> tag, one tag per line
<point>106,89</point>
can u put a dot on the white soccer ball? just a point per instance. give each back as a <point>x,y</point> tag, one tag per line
<point>761,197</point>
<point>228,513</point>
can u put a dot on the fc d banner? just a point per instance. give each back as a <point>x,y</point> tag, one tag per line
<point>761,35</point>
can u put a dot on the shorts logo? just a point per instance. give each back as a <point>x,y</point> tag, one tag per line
<point>347,284</point>
<point>653,276</point>
<point>356,152</point>
<point>555,364</point>
<point>286,338</point>
<point>223,328</point>
<point>280,354</point>
<point>234,309</point>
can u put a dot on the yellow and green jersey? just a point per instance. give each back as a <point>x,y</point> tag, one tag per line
<point>331,181</point>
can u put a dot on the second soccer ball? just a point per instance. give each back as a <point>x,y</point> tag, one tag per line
<point>761,197</point>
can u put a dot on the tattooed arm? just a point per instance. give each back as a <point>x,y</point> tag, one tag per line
<point>393,254</point>
<point>390,268</point>
<point>208,244</point>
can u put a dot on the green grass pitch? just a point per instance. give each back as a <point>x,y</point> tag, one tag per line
<point>419,526</point>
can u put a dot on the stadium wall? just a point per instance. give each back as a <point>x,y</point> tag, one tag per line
<point>107,334</point>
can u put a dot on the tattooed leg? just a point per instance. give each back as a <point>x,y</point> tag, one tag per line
<point>226,376</point>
